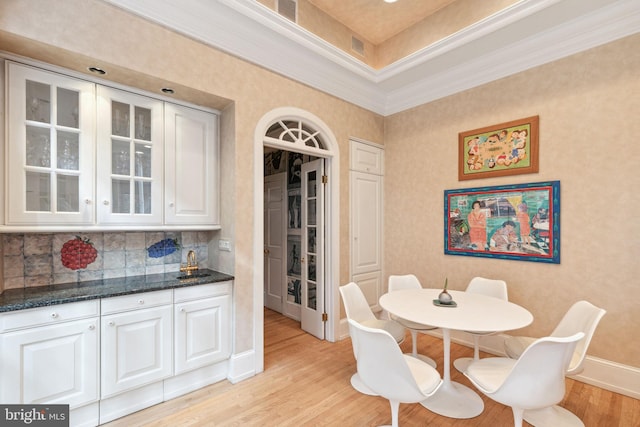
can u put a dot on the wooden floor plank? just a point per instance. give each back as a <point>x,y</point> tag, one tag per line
<point>306,383</point>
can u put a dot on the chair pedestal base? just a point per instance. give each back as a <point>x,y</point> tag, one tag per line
<point>424,358</point>
<point>462,363</point>
<point>552,416</point>
<point>357,383</point>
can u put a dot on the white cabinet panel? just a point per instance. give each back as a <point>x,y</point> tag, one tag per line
<point>136,349</point>
<point>366,227</point>
<point>366,158</point>
<point>109,366</point>
<point>202,332</point>
<point>371,286</point>
<point>84,154</point>
<point>366,222</point>
<point>191,171</point>
<point>55,364</point>
<point>51,126</point>
<point>130,152</point>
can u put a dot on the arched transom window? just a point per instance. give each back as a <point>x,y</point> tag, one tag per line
<point>296,135</point>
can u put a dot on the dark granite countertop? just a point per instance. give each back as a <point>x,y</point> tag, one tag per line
<point>43,296</point>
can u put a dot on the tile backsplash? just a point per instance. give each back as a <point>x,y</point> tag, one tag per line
<point>34,259</point>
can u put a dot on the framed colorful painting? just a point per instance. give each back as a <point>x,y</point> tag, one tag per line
<point>519,222</point>
<point>505,149</point>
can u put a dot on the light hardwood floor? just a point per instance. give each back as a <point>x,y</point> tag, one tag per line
<point>306,383</point>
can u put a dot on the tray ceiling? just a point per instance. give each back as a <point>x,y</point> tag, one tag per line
<point>526,34</point>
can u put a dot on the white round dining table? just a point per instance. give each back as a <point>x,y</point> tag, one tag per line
<point>473,313</point>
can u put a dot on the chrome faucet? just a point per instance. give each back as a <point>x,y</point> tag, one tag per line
<point>192,264</point>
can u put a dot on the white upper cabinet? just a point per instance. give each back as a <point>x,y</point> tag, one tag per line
<point>366,158</point>
<point>86,156</point>
<point>190,166</point>
<point>130,153</point>
<point>50,148</point>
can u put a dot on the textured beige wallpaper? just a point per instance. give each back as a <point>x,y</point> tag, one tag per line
<point>588,123</point>
<point>588,106</point>
<point>90,32</point>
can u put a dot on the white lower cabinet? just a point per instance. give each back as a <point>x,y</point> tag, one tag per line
<point>50,355</point>
<point>136,349</point>
<point>112,357</point>
<point>201,318</point>
<point>136,352</point>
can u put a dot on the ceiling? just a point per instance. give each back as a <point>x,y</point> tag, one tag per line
<point>526,34</point>
<point>376,20</point>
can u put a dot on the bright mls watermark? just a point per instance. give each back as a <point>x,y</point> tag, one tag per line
<point>34,415</point>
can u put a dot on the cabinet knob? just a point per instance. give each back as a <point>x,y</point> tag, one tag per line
<point>140,301</point>
<point>182,310</point>
<point>171,205</point>
<point>106,203</point>
<point>87,201</point>
<point>54,315</point>
<point>92,327</point>
<point>112,323</point>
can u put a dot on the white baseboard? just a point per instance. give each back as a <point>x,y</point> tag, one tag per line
<point>601,373</point>
<point>242,366</point>
<point>187,382</point>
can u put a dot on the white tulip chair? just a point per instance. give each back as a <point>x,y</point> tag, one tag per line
<point>581,317</point>
<point>383,368</point>
<point>357,308</point>
<point>534,381</point>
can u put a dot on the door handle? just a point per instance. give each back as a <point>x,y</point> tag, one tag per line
<point>266,251</point>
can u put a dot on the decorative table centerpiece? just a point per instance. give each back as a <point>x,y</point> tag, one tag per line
<point>445,299</point>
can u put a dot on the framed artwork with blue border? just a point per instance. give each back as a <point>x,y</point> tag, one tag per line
<point>517,222</point>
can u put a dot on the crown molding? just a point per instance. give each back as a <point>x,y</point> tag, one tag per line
<point>534,32</point>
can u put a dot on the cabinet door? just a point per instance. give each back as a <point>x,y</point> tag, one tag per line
<point>202,332</point>
<point>366,158</point>
<point>366,222</point>
<point>136,349</point>
<point>191,166</point>
<point>55,364</point>
<point>50,158</point>
<point>130,153</point>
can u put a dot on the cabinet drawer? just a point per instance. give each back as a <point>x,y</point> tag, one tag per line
<point>202,291</point>
<point>48,315</point>
<point>136,301</point>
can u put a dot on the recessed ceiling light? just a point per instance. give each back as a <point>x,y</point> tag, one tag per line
<point>390,1</point>
<point>168,90</point>
<point>97,70</point>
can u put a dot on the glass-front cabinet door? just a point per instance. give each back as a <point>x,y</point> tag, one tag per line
<point>130,150</point>
<point>51,132</point>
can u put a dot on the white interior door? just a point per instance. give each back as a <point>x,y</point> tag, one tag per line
<point>275,231</point>
<point>312,256</point>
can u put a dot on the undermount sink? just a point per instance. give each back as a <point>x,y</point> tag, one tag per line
<point>193,276</point>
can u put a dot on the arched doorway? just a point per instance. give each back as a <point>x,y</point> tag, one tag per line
<point>298,131</point>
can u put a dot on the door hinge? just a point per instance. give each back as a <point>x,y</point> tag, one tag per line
<point>325,317</point>
<point>325,179</point>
